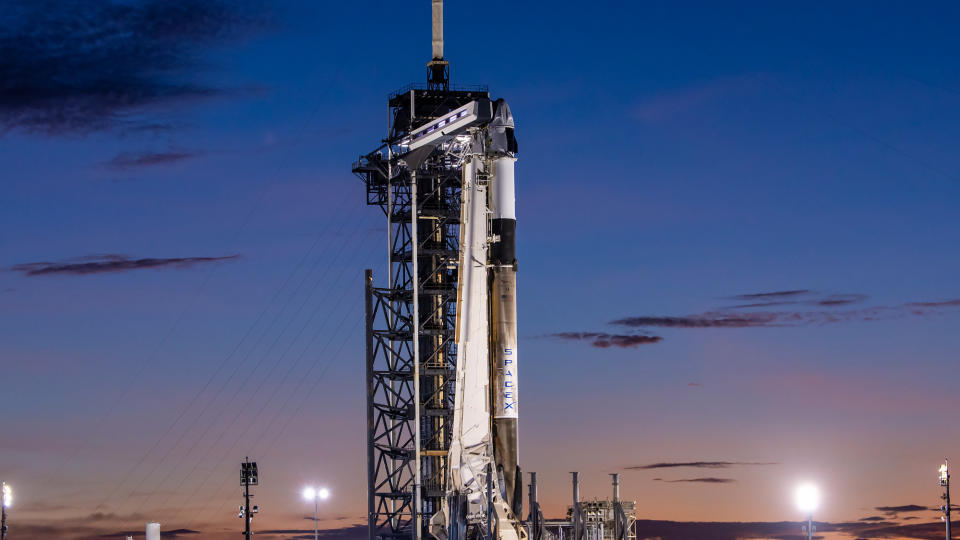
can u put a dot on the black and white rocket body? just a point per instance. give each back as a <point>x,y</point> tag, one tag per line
<point>483,485</point>
<point>503,299</point>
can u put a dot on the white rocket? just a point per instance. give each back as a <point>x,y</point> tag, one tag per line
<point>483,489</point>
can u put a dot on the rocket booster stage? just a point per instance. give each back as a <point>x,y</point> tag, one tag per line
<point>503,302</point>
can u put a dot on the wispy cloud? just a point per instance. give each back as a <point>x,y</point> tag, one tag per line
<point>775,295</point>
<point>705,320</point>
<point>131,160</point>
<point>902,508</point>
<point>794,297</point>
<point>75,66</point>
<point>99,264</point>
<point>742,315</point>
<point>774,319</point>
<point>839,300</point>
<point>704,480</point>
<point>603,340</point>
<point>698,465</point>
<point>761,305</point>
<point>955,302</point>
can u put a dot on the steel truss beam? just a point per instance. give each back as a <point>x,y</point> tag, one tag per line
<point>411,346</point>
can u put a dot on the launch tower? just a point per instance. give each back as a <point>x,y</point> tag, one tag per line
<point>416,178</point>
<point>441,333</point>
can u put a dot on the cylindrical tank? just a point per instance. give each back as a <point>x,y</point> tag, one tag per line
<point>503,322</point>
<point>153,531</point>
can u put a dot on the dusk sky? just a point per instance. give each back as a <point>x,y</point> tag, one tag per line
<point>738,236</point>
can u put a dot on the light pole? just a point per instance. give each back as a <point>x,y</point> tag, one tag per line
<point>6,499</point>
<point>945,483</point>
<point>315,494</point>
<point>808,498</point>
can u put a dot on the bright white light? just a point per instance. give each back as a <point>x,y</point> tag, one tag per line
<point>808,498</point>
<point>324,493</point>
<point>309,493</point>
<point>7,496</point>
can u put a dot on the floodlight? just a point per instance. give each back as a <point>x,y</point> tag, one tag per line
<point>7,495</point>
<point>309,493</point>
<point>807,497</point>
<point>324,493</point>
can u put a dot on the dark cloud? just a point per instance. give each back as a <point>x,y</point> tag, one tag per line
<point>943,303</point>
<point>760,305</point>
<point>839,300</point>
<point>903,508</point>
<point>772,295</point>
<point>871,518</point>
<point>725,318</point>
<point>698,465</point>
<point>603,340</point>
<point>774,319</point>
<point>99,264</point>
<point>704,480</point>
<point>706,320</point>
<point>130,160</point>
<point>78,66</point>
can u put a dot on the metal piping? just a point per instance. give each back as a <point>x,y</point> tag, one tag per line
<point>576,487</point>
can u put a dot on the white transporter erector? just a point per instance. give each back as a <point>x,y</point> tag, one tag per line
<point>483,477</point>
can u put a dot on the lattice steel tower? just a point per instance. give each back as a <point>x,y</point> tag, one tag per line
<point>411,352</point>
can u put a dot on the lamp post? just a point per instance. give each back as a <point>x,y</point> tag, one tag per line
<point>945,484</point>
<point>315,494</point>
<point>808,498</point>
<point>6,499</point>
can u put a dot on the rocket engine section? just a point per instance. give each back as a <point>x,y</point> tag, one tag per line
<point>484,487</point>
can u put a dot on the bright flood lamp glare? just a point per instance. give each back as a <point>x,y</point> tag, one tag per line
<point>324,493</point>
<point>309,493</point>
<point>808,498</point>
<point>7,495</point>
